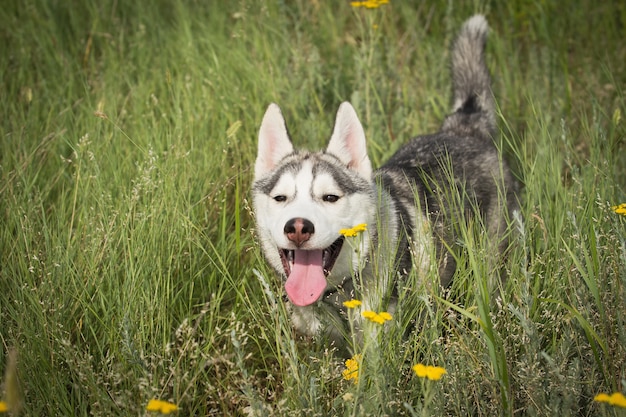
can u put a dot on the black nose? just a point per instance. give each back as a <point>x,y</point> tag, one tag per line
<point>299,230</point>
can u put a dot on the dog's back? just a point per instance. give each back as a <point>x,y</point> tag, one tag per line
<point>457,172</point>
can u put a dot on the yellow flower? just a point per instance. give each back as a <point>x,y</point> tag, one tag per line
<point>602,398</point>
<point>434,373</point>
<point>162,407</point>
<point>354,230</point>
<point>352,369</point>
<point>620,209</point>
<point>374,317</point>
<point>352,303</point>
<point>617,399</point>
<point>369,4</point>
<point>3,407</point>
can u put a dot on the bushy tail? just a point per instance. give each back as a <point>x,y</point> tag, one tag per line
<point>473,107</point>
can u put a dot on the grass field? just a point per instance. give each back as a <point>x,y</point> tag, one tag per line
<point>128,264</point>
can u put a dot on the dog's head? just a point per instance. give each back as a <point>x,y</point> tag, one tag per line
<point>303,199</point>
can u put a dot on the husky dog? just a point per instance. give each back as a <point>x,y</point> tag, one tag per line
<point>410,205</point>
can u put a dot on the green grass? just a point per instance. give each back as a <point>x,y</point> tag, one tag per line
<point>128,265</point>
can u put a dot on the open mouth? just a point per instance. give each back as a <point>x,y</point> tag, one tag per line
<point>329,256</point>
<point>307,270</point>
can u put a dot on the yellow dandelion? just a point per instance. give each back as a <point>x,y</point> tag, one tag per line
<point>3,407</point>
<point>434,373</point>
<point>352,369</point>
<point>620,209</point>
<point>374,317</point>
<point>602,398</point>
<point>384,316</point>
<point>162,407</point>
<point>616,399</point>
<point>352,303</point>
<point>369,4</point>
<point>353,231</point>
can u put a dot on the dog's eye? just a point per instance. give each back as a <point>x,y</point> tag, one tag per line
<point>330,198</point>
<point>280,198</point>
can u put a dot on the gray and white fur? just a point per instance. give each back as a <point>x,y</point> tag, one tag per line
<point>302,199</point>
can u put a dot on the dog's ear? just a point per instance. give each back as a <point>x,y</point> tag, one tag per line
<point>274,142</point>
<point>348,141</point>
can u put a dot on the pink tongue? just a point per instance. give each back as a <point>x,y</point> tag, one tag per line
<point>306,283</point>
